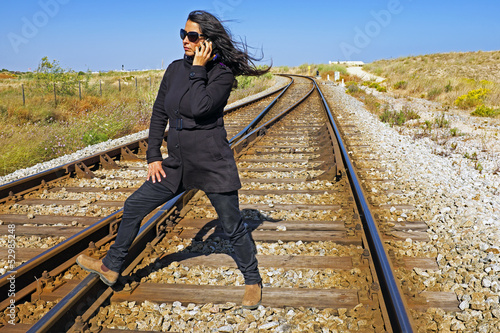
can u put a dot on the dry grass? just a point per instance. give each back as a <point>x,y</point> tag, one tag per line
<point>7,76</point>
<point>443,77</point>
<point>250,85</point>
<point>40,130</point>
<point>311,69</point>
<point>372,104</point>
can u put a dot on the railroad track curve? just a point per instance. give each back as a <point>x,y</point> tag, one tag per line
<point>321,255</point>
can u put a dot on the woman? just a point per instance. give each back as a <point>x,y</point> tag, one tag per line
<point>192,96</point>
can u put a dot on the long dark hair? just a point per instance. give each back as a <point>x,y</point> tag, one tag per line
<point>233,54</point>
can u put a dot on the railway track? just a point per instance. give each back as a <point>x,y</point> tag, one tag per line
<point>315,234</point>
<point>54,205</point>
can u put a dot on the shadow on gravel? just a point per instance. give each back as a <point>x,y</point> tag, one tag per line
<point>210,239</point>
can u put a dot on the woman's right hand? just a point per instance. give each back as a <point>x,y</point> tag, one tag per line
<point>202,53</point>
<point>155,171</point>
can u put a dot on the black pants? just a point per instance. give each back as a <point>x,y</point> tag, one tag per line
<point>151,195</point>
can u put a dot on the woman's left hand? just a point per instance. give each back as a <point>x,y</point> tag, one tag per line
<point>202,54</point>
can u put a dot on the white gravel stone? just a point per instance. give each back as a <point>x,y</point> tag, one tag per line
<point>459,202</point>
<point>268,326</point>
<point>56,162</point>
<point>464,305</point>
<point>226,329</point>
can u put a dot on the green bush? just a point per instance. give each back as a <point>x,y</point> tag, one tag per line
<point>375,85</point>
<point>484,111</point>
<point>325,68</point>
<point>448,87</point>
<point>428,125</point>
<point>433,93</point>
<point>352,88</point>
<point>410,114</point>
<point>400,85</point>
<point>398,117</point>
<point>245,82</point>
<point>478,167</point>
<point>94,136</point>
<point>3,111</point>
<point>66,81</point>
<point>473,156</point>
<point>441,121</point>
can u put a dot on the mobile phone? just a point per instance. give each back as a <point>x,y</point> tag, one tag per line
<point>214,50</point>
<point>204,43</point>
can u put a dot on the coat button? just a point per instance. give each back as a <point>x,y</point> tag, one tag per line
<point>177,146</point>
<point>192,74</point>
<point>176,111</point>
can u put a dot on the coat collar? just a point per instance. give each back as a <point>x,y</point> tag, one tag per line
<point>188,59</point>
<point>188,62</point>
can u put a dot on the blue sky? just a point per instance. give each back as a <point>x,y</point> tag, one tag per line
<point>104,35</point>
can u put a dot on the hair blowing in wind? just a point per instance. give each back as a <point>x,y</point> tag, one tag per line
<point>233,54</point>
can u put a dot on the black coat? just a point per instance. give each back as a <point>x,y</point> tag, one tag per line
<point>192,100</point>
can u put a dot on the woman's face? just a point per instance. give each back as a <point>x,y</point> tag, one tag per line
<point>189,47</point>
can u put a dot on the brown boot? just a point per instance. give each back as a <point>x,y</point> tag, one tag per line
<point>252,296</point>
<point>95,266</point>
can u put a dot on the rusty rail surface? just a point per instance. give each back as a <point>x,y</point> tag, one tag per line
<point>73,311</point>
<point>64,313</point>
<point>398,312</point>
<point>100,232</point>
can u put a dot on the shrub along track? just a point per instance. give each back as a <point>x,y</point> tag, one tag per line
<point>313,255</point>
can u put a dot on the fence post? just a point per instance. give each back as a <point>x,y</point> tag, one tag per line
<point>150,82</point>
<point>119,85</point>
<point>135,83</point>
<point>24,99</point>
<point>100,87</point>
<point>80,89</point>
<point>55,97</point>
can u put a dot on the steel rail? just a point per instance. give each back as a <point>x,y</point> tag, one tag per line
<point>49,259</point>
<point>59,317</point>
<point>259,117</point>
<point>396,307</point>
<point>18,187</point>
<point>53,319</point>
<point>235,107</point>
<point>56,259</point>
<point>56,317</point>
<point>21,186</point>
<point>255,133</point>
<point>28,183</point>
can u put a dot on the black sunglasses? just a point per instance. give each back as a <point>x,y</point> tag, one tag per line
<point>192,35</point>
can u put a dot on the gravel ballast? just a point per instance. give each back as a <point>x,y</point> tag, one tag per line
<point>459,201</point>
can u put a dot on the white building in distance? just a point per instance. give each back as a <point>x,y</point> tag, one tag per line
<point>347,63</point>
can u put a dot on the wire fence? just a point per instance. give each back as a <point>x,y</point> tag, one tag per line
<point>57,90</point>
